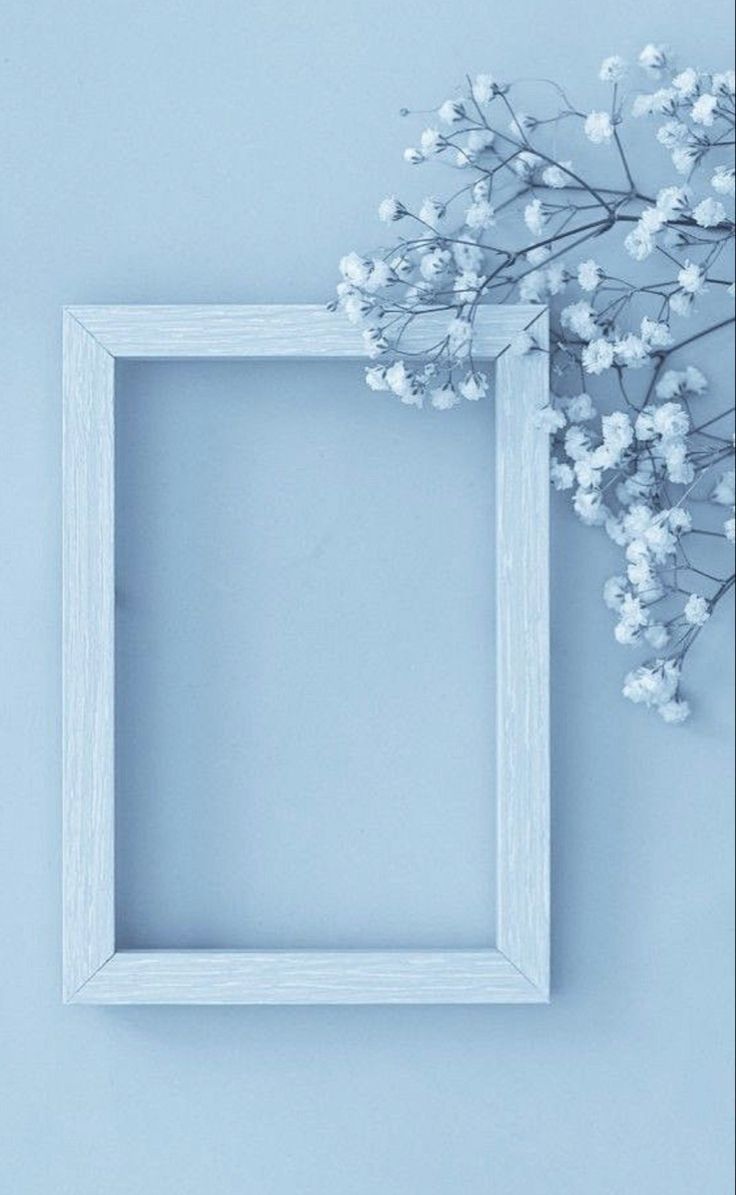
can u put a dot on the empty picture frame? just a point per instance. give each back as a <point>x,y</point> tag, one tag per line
<point>516,969</point>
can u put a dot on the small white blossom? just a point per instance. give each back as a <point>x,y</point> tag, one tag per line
<point>577,443</point>
<point>598,127</point>
<point>580,408</point>
<point>614,591</point>
<point>685,158</point>
<point>375,377</point>
<point>704,109</point>
<point>480,215</point>
<point>597,356</point>
<point>691,278</point>
<point>556,175</point>
<point>521,344</point>
<point>672,202</point>
<point>536,256</point>
<point>653,684</point>
<point>390,209</point>
<point>653,58</point>
<point>590,508</point>
<point>612,69</point>
<point>482,88</point>
<point>631,351</point>
<point>672,133</point>
<point>431,141</point>
<point>451,112</point>
<point>657,636</point>
<point>676,382</point>
<point>686,83</point>
<point>618,434</point>
<point>473,386</point>
<point>459,336</point>
<point>674,712</point>
<point>724,180</point>
<point>355,269</point>
<point>589,275</point>
<point>534,217</point>
<point>434,263</point>
<point>413,156</point>
<point>556,277</point>
<point>579,318</point>
<point>680,470</point>
<point>709,213</point>
<point>525,164</point>
<point>670,420</point>
<point>432,212</point>
<point>697,610</point>
<point>729,530</point>
<point>655,333</point>
<point>443,398</point>
<point>724,493</point>
<point>724,83</point>
<point>561,474</point>
<point>549,419</point>
<point>639,243</point>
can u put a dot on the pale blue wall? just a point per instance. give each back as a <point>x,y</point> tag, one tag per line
<point>163,152</point>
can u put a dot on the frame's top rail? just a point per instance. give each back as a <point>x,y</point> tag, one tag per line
<point>295,331</point>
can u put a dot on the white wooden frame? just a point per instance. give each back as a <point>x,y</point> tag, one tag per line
<point>95,972</point>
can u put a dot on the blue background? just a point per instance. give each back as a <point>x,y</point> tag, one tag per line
<point>230,153</point>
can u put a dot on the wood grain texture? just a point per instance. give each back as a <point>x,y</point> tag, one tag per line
<point>522,662</point>
<point>87,655</point>
<point>308,977</point>
<point>271,331</point>
<point>517,971</point>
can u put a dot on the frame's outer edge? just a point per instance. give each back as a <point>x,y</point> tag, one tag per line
<point>87,656</point>
<point>522,571</point>
<point>518,969</point>
<point>289,331</point>
<point>309,977</point>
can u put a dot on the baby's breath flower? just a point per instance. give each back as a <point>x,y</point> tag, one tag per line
<point>724,493</point>
<point>696,610</point>
<point>686,83</point>
<point>473,386</point>
<point>579,409</point>
<point>549,419</point>
<point>589,275</point>
<point>598,127</point>
<point>534,217</point>
<point>597,356</point>
<point>483,88</point>
<point>443,398</point>
<point>561,474</point>
<point>612,69</point>
<point>451,112</point>
<point>691,278</point>
<point>390,209</point>
<point>724,180</point>
<point>521,344</point>
<point>724,83</point>
<point>674,712</point>
<point>672,133</point>
<point>480,215</point>
<point>653,58</point>
<point>556,175</point>
<point>709,213</point>
<point>703,110</point>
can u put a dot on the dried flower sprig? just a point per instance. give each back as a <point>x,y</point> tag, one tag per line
<point>627,441</point>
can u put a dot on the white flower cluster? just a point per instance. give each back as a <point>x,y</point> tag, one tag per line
<point>632,440</point>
